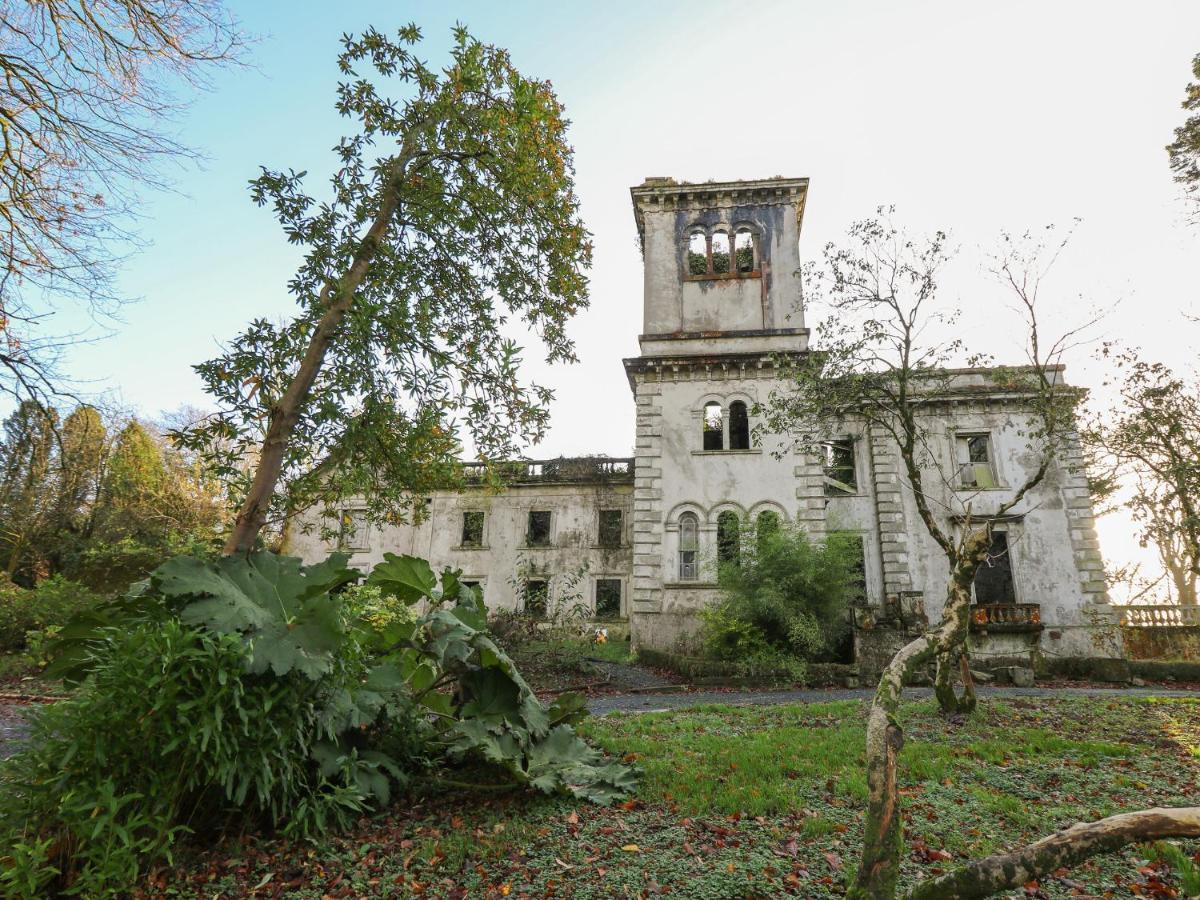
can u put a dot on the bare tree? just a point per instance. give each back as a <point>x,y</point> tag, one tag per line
<point>89,88</point>
<point>1149,447</point>
<point>881,365</point>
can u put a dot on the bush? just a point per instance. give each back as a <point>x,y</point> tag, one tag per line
<point>170,729</point>
<point>786,598</point>
<point>49,605</point>
<point>261,689</point>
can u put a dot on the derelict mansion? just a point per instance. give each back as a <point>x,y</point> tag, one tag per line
<point>639,538</point>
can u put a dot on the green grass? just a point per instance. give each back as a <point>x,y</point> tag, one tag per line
<point>761,801</point>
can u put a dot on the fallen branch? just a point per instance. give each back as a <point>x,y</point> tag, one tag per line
<point>1064,849</point>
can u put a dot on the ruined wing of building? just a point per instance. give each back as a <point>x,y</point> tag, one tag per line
<point>636,539</point>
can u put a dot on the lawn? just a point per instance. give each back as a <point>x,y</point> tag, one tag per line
<point>758,802</point>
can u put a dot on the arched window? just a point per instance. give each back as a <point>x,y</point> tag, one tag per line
<point>745,256</point>
<point>713,426</point>
<point>739,426</point>
<point>720,253</point>
<point>697,253</point>
<point>728,538</point>
<point>689,546</point>
<point>767,525</point>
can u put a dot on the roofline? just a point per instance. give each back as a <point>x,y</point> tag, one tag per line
<point>662,189</point>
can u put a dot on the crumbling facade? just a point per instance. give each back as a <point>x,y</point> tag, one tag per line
<point>722,301</point>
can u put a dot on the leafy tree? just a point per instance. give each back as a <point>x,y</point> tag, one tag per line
<point>452,209</point>
<point>133,487</point>
<point>785,592</point>
<point>26,456</point>
<point>1184,151</point>
<point>89,99</point>
<point>82,456</point>
<point>881,367</point>
<point>152,504</point>
<point>1151,444</point>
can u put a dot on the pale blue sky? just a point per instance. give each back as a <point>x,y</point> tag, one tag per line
<point>968,116</point>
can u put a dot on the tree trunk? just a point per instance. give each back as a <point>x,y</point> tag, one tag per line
<point>336,297</point>
<point>1066,848</point>
<point>883,837</point>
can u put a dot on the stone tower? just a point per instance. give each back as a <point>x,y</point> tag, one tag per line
<point>722,297</point>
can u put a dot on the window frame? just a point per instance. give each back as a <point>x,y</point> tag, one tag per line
<point>729,538</point>
<point>620,529</point>
<point>529,543</point>
<point>347,517</point>
<point>1011,537</point>
<point>525,594</point>
<point>833,487</point>
<point>481,544</point>
<point>620,583</point>
<point>745,415</point>
<point>963,438</point>
<point>689,556</point>
<point>706,431</point>
<point>731,234</point>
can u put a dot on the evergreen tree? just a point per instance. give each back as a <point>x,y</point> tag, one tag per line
<point>26,456</point>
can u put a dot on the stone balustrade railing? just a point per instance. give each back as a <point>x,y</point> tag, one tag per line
<point>1160,616</point>
<point>1006,617</point>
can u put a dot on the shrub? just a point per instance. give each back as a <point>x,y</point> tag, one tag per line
<point>785,597</point>
<point>257,687</point>
<point>49,605</point>
<point>170,729</point>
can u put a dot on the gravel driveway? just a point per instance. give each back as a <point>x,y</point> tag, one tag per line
<point>655,702</point>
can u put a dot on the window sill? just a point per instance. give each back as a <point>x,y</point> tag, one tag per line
<point>690,585</point>
<point>611,547</point>
<point>750,452</point>
<point>725,276</point>
<point>843,496</point>
<point>536,547</point>
<point>980,490</point>
<point>471,547</point>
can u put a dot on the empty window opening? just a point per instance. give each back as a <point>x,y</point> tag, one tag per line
<point>767,525</point>
<point>697,253</point>
<point>537,598</point>
<point>974,455</point>
<point>713,426</point>
<point>745,259</point>
<point>354,532</point>
<point>994,578</point>
<point>689,546</point>
<point>840,475</point>
<point>610,528</point>
<point>472,528</point>
<point>739,426</point>
<point>720,253</point>
<point>608,598</point>
<point>729,539</point>
<point>538,533</point>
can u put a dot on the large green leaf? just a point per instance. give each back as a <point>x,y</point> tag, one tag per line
<point>407,577</point>
<point>280,606</point>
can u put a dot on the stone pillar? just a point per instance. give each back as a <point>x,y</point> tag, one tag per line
<point>646,594</point>
<point>886,474</point>
<point>1081,521</point>
<point>810,495</point>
